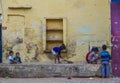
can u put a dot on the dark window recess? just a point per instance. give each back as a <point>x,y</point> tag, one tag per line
<point>54,33</point>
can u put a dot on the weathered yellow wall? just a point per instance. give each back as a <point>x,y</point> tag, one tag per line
<point>87,24</point>
<point>0,7</point>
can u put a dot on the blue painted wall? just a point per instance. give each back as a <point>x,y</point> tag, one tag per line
<point>115,0</point>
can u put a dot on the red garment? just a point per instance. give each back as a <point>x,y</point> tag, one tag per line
<point>87,55</point>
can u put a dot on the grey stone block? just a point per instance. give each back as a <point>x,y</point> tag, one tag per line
<point>30,70</point>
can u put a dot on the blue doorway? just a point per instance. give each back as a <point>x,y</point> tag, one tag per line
<point>0,43</point>
<point>115,0</point>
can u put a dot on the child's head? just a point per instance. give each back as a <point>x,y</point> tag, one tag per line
<point>63,46</point>
<point>96,49</point>
<point>93,48</point>
<point>104,47</point>
<point>11,53</point>
<point>17,54</point>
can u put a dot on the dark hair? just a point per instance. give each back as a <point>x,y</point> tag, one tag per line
<point>11,52</point>
<point>92,48</point>
<point>96,49</point>
<point>17,53</point>
<point>104,47</point>
<point>63,46</point>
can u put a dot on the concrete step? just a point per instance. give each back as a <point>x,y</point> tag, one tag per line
<point>36,70</point>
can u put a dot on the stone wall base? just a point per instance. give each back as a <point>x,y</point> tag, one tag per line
<point>42,70</point>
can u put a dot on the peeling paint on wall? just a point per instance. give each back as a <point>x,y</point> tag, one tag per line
<point>27,28</point>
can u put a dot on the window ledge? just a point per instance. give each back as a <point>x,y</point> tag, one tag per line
<point>54,29</point>
<point>48,40</point>
<point>20,7</point>
<point>49,51</point>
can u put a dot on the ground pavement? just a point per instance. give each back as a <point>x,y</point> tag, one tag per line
<point>59,80</point>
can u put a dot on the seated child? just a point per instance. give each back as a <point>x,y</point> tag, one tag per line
<point>10,58</point>
<point>17,57</point>
<point>93,56</point>
<point>87,55</point>
<point>56,52</point>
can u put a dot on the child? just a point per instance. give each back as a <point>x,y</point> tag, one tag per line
<point>87,55</point>
<point>17,57</point>
<point>10,58</point>
<point>93,56</point>
<point>56,52</point>
<point>105,57</point>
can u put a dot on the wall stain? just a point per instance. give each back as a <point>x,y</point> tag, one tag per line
<point>71,48</point>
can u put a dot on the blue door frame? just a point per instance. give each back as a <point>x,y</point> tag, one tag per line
<point>0,43</point>
<point>115,0</point>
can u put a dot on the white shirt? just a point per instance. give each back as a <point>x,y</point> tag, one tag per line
<point>10,58</point>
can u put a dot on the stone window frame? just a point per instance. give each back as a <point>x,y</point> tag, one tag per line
<point>64,31</point>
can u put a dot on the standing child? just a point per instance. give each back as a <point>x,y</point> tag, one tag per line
<point>105,57</point>
<point>17,57</point>
<point>56,52</point>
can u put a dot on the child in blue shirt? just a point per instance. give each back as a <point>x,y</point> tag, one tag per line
<point>56,52</point>
<point>17,58</point>
<point>105,57</point>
